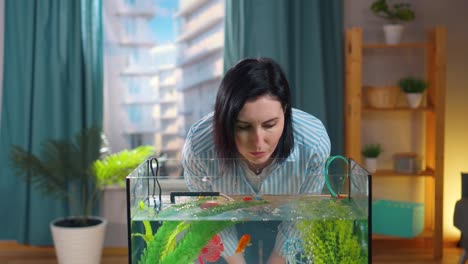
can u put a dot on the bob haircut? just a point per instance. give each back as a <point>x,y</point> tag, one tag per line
<point>246,81</point>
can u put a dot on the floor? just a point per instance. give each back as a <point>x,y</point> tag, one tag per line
<point>11,253</point>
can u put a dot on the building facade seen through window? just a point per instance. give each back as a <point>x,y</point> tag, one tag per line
<point>162,66</point>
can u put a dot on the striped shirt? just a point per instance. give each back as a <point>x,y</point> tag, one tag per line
<point>300,173</point>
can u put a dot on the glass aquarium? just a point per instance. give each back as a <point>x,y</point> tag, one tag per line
<point>167,225</point>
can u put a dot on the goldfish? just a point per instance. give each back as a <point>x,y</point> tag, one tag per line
<point>247,198</point>
<point>212,251</point>
<point>209,204</point>
<point>244,241</point>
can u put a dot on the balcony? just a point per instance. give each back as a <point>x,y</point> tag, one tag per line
<point>210,71</point>
<point>134,70</point>
<point>140,120</point>
<point>210,17</point>
<point>171,113</point>
<point>142,8</point>
<point>188,6</point>
<point>207,47</point>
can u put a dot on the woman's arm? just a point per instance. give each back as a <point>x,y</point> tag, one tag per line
<point>195,169</point>
<point>313,184</point>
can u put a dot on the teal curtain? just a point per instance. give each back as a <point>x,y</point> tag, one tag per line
<point>306,38</point>
<point>52,88</point>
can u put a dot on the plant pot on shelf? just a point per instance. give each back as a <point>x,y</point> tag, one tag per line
<point>414,99</point>
<point>371,164</point>
<point>392,33</point>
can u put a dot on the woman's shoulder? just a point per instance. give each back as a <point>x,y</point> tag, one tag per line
<point>200,135</point>
<point>304,119</point>
<point>308,129</point>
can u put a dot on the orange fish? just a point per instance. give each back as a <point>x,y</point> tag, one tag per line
<point>244,241</point>
<point>209,204</point>
<point>212,251</point>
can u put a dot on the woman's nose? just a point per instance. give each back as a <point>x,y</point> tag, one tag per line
<point>258,137</point>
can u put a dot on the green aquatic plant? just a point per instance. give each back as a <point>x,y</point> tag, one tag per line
<point>221,208</point>
<point>165,248</point>
<point>171,240</point>
<point>188,248</point>
<point>333,239</point>
<point>148,235</point>
<point>198,235</point>
<point>229,207</point>
<point>153,250</point>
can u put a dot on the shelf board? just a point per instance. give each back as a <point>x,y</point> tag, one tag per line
<point>427,233</point>
<point>391,173</point>
<point>417,45</point>
<point>397,109</point>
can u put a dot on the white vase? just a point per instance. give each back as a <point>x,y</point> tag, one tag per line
<point>393,33</point>
<point>371,164</point>
<point>78,245</point>
<point>414,99</point>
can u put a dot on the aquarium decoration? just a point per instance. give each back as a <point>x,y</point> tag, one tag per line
<point>332,239</point>
<point>148,235</point>
<point>294,248</point>
<point>194,235</point>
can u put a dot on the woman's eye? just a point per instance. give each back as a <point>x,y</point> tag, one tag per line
<point>269,125</point>
<point>242,127</point>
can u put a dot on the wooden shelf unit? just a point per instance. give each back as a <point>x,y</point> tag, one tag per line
<point>434,113</point>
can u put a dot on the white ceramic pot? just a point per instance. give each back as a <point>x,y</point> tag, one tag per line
<point>393,33</point>
<point>371,164</point>
<point>414,99</point>
<point>78,245</point>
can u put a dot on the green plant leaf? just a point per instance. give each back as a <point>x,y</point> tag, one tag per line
<point>114,168</point>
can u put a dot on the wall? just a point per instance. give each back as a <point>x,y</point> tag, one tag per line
<point>429,13</point>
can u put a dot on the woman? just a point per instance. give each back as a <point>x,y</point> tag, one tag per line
<point>256,143</point>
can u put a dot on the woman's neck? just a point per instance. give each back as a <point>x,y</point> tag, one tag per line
<point>258,168</point>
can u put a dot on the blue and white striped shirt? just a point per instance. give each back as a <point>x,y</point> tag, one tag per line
<point>300,173</point>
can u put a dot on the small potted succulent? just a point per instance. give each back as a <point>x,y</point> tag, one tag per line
<point>370,152</point>
<point>413,88</point>
<point>394,15</point>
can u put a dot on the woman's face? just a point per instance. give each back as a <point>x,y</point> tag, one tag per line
<point>259,127</point>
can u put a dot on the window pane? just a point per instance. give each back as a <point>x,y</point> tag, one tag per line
<point>163,64</point>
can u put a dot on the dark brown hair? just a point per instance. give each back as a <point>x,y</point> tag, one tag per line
<point>246,81</point>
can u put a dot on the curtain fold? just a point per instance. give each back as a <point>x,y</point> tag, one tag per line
<point>52,88</point>
<point>306,38</point>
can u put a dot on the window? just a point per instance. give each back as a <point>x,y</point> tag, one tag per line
<point>160,56</point>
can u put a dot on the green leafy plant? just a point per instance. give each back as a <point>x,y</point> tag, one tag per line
<point>69,169</point>
<point>335,239</point>
<point>113,168</point>
<point>393,13</point>
<point>412,85</point>
<point>164,249</point>
<point>371,150</point>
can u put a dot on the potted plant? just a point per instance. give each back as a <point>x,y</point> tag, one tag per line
<point>111,172</point>
<point>370,152</point>
<point>394,15</point>
<point>71,170</point>
<point>413,88</point>
<point>112,169</point>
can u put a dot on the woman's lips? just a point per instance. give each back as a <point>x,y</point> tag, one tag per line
<point>258,154</point>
